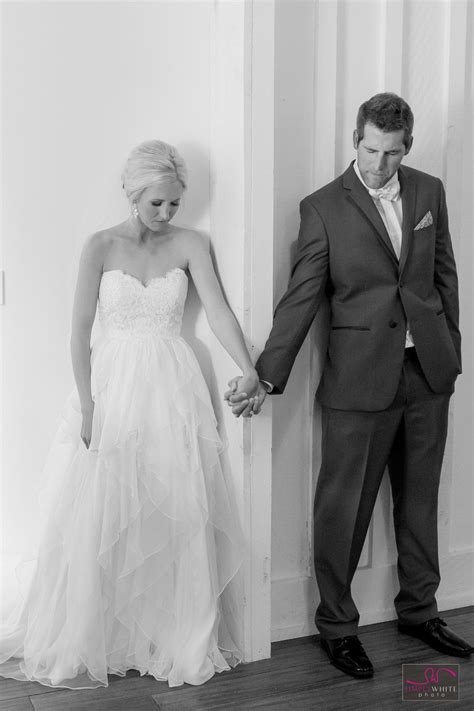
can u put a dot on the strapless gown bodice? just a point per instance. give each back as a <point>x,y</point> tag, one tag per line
<point>129,308</point>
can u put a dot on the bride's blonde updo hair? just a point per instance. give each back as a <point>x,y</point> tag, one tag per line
<point>152,163</point>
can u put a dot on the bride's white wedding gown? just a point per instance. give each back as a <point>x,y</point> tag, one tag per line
<point>141,535</point>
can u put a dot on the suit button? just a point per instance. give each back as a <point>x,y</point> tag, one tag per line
<point>392,324</point>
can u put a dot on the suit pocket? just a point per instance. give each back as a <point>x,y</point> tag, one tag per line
<point>440,312</point>
<point>420,230</point>
<point>349,328</point>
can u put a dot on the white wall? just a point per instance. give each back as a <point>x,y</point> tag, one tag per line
<point>83,82</point>
<point>331,56</point>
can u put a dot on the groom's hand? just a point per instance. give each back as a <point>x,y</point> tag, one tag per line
<point>240,396</point>
<point>245,397</point>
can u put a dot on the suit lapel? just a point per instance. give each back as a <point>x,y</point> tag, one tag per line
<point>361,198</point>
<point>408,195</point>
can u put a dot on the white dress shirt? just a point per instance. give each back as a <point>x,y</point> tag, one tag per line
<point>391,212</point>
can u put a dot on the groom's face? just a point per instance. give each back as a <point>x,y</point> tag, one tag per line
<point>379,154</point>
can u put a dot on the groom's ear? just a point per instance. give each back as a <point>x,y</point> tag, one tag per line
<point>408,145</point>
<point>355,138</point>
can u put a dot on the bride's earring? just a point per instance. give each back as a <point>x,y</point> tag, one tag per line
<point>134,210</point>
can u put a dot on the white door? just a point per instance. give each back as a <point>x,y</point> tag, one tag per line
<point>323,45</point>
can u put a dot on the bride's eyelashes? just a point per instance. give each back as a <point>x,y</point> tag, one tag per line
<point>158,203</point>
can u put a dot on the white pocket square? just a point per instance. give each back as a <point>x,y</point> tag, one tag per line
<point>426,221</point>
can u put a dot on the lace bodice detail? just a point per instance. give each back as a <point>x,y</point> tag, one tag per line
<point>129,308</point>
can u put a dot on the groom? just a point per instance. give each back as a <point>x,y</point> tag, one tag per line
<point>375,242</point>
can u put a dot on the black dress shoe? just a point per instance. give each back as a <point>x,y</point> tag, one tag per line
<point>348,655</point>
<point>437,634</point>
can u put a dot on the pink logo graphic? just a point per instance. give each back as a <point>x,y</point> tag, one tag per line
<point>432,676</point>
<point>435,681</point>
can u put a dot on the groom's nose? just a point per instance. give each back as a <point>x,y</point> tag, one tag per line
<point>379,161</point>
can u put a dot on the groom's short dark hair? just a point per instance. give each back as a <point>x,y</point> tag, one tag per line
<point>388,112</point>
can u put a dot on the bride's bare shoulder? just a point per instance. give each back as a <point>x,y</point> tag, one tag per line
<point>100,242</point>
<point>111,234</point>
<point>191,239</point>
<point>191,245</point>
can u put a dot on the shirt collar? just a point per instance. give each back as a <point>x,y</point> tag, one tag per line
<point>393,179</point>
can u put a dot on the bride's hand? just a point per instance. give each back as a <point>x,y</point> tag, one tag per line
<point>242,394</point>
<point>86,429</point>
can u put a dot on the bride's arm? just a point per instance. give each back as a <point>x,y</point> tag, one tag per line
<point>221,319</point>
<point>83,314</point>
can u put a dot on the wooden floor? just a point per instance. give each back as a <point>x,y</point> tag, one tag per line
<point>297,677</point>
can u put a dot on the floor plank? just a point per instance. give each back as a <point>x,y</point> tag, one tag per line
<point>298,676</point>
<point>11,688</point>
<point>128,703</point>
<point>21,704</point>
<point>122,694</point>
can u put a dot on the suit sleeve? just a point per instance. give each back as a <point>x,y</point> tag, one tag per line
<point>298,307</point>
<point>446,280</point>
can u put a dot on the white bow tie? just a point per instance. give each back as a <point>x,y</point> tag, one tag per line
<point>388,192</point>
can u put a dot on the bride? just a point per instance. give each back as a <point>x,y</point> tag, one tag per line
<point>142,537</point>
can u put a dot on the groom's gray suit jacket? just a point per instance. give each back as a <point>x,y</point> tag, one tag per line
<point>345,253</point>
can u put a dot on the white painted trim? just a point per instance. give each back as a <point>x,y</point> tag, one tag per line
<point>393,46</point>
<point>294,600</point>
<point>227,222</point>
<point>242,150</point>
<point>325,114</point>
<point>458,182</point>
<point>455,80</point>
<point>323,168</point>
<point>259,310</point>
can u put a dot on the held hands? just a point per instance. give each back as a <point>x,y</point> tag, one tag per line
<point>246,395</point>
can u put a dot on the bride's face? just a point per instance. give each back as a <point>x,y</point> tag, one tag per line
<point>158,204</point>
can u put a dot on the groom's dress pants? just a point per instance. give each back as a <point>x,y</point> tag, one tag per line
<point>409,436</point>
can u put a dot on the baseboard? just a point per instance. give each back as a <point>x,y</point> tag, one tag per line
<point>294,600</point>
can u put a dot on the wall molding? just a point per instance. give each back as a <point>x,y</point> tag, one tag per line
<point>258,311</point>
<point>294,600</point>
<point>242,154</point>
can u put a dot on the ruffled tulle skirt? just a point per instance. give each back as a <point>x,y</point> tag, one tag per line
<point>141,540</point>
